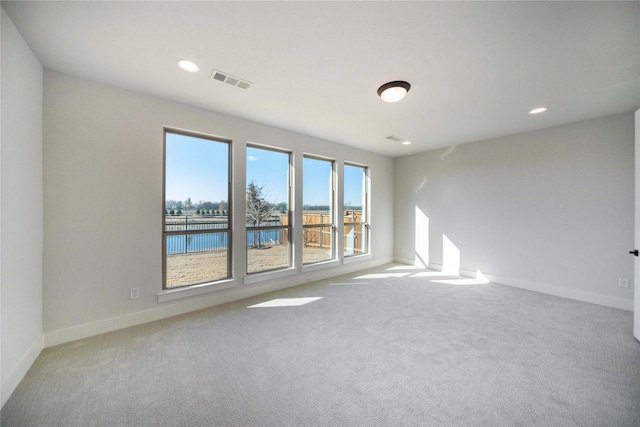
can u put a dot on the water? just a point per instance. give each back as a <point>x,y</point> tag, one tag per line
<point>213,241</point>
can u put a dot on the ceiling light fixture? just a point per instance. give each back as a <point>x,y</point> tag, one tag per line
<point>406,143</point>
<point>188,66</point>
<point>393,91</point>
<point>538,110</point>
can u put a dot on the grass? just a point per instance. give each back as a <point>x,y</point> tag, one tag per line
<point>191,268</point>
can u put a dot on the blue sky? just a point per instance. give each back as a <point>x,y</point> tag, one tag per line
<point>198,168</point>
<point>316,186</point>
<point>353,180</point>
<point>270,170</point>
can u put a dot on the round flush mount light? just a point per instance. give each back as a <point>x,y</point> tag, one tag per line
<point>393,91</point>
<point>189,66</point>
<point>538,110</point>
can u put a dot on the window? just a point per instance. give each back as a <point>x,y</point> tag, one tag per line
<point>317,222</point>
<point>196,225</point>
<point>268,201</point>
<point>356,221</point>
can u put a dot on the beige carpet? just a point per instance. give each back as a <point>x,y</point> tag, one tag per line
<point>388,347</point>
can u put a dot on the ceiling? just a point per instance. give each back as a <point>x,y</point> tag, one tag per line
<point>476,68</point>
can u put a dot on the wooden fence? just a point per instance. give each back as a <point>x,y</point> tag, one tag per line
<point>354,234</point>
<point>320,237</point>
<point>314,237</point>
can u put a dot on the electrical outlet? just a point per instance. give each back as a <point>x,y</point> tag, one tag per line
<point>134,293</point>
<point>623,283</point>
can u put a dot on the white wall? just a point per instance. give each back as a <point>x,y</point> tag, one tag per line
<point>636,263</point>
<point>21,201</point>
<point>103,204</point>
<point>549,210</point>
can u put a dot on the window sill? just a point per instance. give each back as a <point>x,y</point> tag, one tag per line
<point>189,291</point>
<point>267,275</point>
<point>320,265</point>
<point>356,258</point>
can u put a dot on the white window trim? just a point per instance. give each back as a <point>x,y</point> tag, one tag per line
<point>168,294</point>
<point>193,290</point>
<point>263,275</point>
<point>335,260</point>
<point>320,265</point>
<point>367,209</point>
<point>357,258</point>
<point>268,275</point>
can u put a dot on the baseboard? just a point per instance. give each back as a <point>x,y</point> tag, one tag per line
<point>545,288</point>
<point>436,267</point>
<point>201,302</point>
<point>11,383</point>
<point>447,269</point>
<point>559,291</point>
<point>407,261</point>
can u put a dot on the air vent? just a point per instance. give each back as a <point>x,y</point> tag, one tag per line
<point>229,79</point>
<point>394,138</point>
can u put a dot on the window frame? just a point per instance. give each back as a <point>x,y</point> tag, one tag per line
<point>332,212</point>
<point>287,227</point>
<point>365,223</point>
<point>227,230</point>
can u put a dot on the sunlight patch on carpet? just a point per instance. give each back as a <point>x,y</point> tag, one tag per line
<point>462,282</point>
<point>285,302</point>
<point>381,275</point>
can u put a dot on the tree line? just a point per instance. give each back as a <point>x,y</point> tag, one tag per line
<point>259,209</point>
<point>222,205</point>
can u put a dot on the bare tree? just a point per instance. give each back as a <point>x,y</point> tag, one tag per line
<point>171,204</point>
<point>207,205</point>
<point>258,210</point>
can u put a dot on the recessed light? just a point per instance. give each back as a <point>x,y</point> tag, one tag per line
<point>538,110</point>
<point>406,143</point>
<point>393,91</point>
<point>189,66</point>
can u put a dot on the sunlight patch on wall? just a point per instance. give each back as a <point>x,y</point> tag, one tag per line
<point>447,152</point>
<point>421,239</point>
<point>450,256</point>
<point>480,276</point>
<point>285,302</point>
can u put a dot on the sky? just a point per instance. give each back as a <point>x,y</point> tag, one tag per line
<point>316,182</point>
<point>270,170</point>
<point>353,191</point>
<point>198,168</point>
